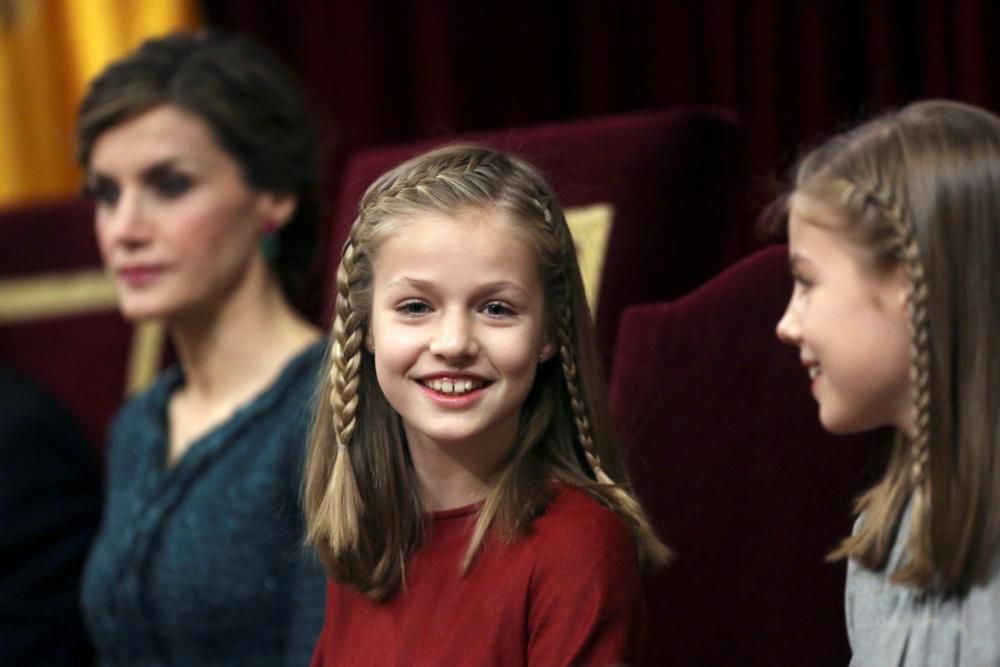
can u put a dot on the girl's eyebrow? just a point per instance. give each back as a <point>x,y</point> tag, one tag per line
<point>407,282</point>
<point>795,260</point>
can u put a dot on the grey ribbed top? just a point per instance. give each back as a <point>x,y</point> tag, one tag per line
<point>891,625</point>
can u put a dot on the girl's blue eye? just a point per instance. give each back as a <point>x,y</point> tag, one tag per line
<point>413,308</point>
<point>497,309</point>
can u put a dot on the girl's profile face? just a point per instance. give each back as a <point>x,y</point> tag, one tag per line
<point>178,228</point>
<point>850,325</point>
<point>457,327</point>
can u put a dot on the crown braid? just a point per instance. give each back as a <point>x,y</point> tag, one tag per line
<point>449,170</point>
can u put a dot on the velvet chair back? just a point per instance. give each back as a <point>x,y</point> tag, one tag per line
<point>59,321</point>
<point>670,180</point>
<point>727,453</point>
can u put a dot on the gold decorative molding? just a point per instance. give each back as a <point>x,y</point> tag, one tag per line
<point>591,230</point>
<point>55,295</point>
<point>25,300</point>
<point>148,341</point>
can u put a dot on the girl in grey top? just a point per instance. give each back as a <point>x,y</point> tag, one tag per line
<point>894,246</point>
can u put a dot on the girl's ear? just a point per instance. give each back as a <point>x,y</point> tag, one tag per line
<point>548,349</point>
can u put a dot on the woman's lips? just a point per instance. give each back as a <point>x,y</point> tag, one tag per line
<point>139,276</point>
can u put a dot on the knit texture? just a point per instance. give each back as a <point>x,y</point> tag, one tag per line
<point>202,563</point>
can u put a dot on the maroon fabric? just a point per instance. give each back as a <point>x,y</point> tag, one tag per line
<point>81,359</point>
<point>671,176</point>
<point>567,593</point>
<point>727,454</point>
<point>382,72</point>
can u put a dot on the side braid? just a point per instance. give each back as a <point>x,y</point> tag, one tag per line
<point>567,353</point>
<point>580,418</point>
<point>893,209</point>
<point>343,497</point>
<point>652,553</point>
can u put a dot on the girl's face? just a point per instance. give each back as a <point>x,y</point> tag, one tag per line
<point>177,226</point>
<point>849,324</point>
<point>458,329</point>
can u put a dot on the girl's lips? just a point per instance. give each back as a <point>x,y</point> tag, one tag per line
<point>138,276</point>
<point>454,401</point>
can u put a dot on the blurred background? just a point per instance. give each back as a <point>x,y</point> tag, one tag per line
<point>382,72</point>
<point>664,126</point>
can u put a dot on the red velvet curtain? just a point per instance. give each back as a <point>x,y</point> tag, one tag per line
<point>381,72</point>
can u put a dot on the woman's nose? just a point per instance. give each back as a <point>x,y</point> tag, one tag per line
<point>127,221</point>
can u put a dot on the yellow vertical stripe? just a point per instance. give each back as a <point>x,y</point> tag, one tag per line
<point>49,51</point>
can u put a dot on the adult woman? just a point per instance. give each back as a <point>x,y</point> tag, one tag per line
<point>199,155</point>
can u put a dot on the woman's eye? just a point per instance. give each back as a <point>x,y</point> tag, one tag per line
<point>170,185</point>
<point>103,191</point>
<point>497,309</point>
<point>413,308</point>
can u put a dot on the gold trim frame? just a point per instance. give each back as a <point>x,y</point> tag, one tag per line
<point>25,300</point>
<point>591,230</point>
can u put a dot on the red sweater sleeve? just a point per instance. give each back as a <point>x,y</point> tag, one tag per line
<point>587,605</point>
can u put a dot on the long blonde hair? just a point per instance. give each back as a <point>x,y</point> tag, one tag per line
<point>362,505</point>
<point>920,189</point>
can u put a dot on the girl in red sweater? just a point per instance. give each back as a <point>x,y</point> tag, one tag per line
<point>463,490</point>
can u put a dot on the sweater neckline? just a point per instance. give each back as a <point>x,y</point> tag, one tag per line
<point>455,512</point>
<point>210,441</point>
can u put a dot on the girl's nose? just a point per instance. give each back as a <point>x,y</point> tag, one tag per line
<point>454,337</point>
<point>788,327</point>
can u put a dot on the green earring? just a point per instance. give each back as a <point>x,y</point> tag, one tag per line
<point>270,243</point>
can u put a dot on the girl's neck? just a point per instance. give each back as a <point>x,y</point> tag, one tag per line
<point>459,473</point>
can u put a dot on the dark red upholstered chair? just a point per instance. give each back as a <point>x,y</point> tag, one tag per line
<point>727,453</point>
<point>59,321</point>
<point>673,179</point>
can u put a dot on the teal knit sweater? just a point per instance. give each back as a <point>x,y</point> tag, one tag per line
<point>203,563</point>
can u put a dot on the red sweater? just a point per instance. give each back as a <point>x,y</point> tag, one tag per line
<point>568,593</point>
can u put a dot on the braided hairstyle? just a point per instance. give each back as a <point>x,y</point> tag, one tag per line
<point>920,190</point>
<point>363,508</point>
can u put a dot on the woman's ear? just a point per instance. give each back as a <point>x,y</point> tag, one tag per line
<point>277,208</point>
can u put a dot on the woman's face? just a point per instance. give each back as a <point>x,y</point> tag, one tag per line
<point>178,228</point>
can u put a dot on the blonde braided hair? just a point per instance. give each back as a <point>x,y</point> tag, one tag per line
<point>919,190</point>
<point>365,526</point>
<point>904,247</point>
<point>653,553</point>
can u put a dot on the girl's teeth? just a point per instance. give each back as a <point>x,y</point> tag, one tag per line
<point>452,386</point>
<point>814,372</point>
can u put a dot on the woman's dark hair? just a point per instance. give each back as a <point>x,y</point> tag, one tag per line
<point>252,103</point>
